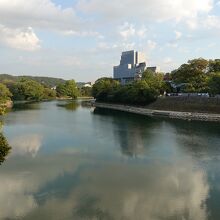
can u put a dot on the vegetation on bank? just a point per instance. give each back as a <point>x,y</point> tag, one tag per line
<point>27,89</point>
<point>139,92</point>
<point>68,89</point>
<point>5,95</point>
<point>199,76</point>
<point>196,76</point>
<point>46,81</point>
<point>4,148</point>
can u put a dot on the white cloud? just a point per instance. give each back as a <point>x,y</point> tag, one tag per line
<point>142,32</point>
<point>178,34</point>
<point>172,45</point>
<point>83,33</point>
<point>167,60</point>
<point>38,14</point>
<point>159,10</point>
<point>212,21</point>
<point>127,30</point>
<point>26,144</point>
<point>71,61</point>
<point>22,39</point>
<point>151,44</point>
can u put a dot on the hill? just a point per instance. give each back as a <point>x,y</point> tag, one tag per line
<point>48,81</point>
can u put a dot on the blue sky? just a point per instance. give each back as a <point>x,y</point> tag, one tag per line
<point>83,39</point>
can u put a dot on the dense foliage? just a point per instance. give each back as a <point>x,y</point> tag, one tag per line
<point>199,75</point>
<point>4,148</point>
<point>27,89</point>
<point>214,83</point>
<point>46,81</point>
<point>85,91</point>
<point>68,89</point>
<point>5,95</point>
<point>140,92</point>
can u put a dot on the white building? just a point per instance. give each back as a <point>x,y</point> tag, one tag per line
<point>132,65</point>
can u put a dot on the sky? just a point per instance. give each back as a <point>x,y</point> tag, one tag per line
<point>83,39</point>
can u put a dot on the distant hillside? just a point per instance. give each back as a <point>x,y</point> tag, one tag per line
<point>48,81</point>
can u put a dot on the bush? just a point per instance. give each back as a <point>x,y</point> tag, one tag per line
<point>4,148</point>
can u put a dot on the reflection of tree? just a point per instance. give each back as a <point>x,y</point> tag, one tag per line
<point>86,103</point>
<point>70,106</point>
<point>132,131</point>
<point>23,106</point>
<point>4,148</point>
<point>197,138</point>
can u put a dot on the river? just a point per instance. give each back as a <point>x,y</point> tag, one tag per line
<point>71,161</point>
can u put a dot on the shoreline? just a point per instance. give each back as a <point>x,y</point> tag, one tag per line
<point>194,116</point>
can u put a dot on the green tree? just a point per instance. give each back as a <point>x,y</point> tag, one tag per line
<point>61,90</point>
<point>49,93</point>
<point>194,74</point>
<point>86,91</point>
<point>104,89</point>
<point>27,89</point>
<point>5,95</point>
<point>154,80</point>
<point>4,148</point>
<point>214,65</point>
<point>71,89</point>
<point>214,83</point>
<point>140,92</point>
<point>68,89</point>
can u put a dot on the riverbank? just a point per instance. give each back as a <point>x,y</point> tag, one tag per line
<point>162,113</point>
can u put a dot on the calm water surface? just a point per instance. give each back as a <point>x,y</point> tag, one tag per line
<point>69,161</point>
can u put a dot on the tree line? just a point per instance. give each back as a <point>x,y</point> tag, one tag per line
<point>31,90</point>
<point>139,92</point>
<point>196,76</point>
<point>199,76</point>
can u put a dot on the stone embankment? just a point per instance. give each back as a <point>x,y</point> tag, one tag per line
<point>150,112</point>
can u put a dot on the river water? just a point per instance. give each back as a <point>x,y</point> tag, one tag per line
<point>70,161</point>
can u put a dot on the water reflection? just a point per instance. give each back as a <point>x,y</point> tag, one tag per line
<point>26,144</point>
<point>134,132</point>
<point>102,189</point>
<point>108,165</point>
<point>70,105</point>
<point>23,106</point>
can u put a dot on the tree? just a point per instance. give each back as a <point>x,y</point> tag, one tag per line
<point>214,65</point>
<point>214,83</point>
<point>194,74</point>
<point>139,92</point>
<point>4,148</point>
<point>71,89</point>
<point>104,88</point>
<point>5,95</point>
<point>86,91</point>
<point>154,80</point>
<point>49,93</point>
<point>61,90</point>
<point>30,89</point>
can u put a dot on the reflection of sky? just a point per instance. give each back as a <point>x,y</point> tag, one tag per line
<point>112,188</point>
<point>106,165</point>
<point>26,144</point>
